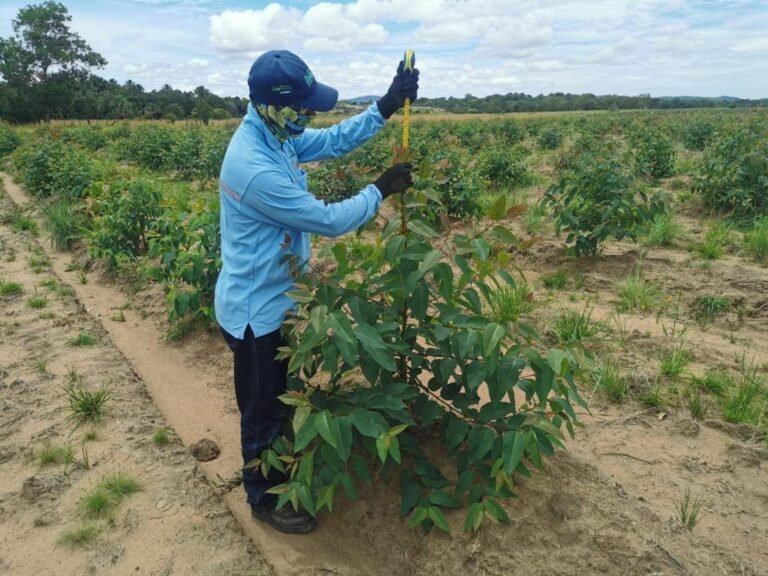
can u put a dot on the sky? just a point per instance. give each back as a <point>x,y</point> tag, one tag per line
<point>480,47</point>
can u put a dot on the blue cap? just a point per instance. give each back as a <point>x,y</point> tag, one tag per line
<point>281,78</point>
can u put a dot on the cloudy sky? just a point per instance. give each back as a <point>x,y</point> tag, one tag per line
<point>662,47</point>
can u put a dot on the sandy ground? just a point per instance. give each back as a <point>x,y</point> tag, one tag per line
<point>175,524</point>
<point>605,507</point>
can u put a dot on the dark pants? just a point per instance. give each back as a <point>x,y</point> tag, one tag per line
<point>259,380</point>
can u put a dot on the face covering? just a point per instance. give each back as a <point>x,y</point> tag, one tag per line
<point>285,122</point>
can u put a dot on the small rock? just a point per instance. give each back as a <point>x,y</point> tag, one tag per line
<point>205,450</point>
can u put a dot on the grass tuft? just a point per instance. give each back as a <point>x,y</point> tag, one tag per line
<point>10,288</point>
<point>555,281</point>
<point>37,301</point>
<point>83,338</point>
<point>107,494</point>
<point>51,454</point>
<point>716,240</point>
<point>709,306</point>
<point>161,437</point>
<point>756,241</point>
<point>86,406</point>
<point>608,381</point>
<point>716,382</point>
<point>697,406</point>
<point>689,509</point>
<point>663,231</point>
<point>674,362</point>
<point>747,399</point>
<point>636,293</point>
<point>120,485</point>
<point>24,223</point>
<point>509,302</point>
<point>97,503</point>
<point>573,326</point>
<point>79,535</point>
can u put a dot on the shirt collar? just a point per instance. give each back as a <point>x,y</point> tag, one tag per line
<point>252,117</point>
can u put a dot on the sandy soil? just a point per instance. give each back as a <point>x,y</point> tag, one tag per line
<point>174,525</point>
<point>605,507</point>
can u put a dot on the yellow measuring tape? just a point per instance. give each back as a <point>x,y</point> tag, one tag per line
<point>407,67</point>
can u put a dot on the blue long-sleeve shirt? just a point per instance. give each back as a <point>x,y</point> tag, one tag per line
<point>264,199</point>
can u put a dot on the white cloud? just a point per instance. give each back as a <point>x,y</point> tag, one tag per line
<point>325,27</point>
<point>664,47</point>
<point>752,46</point>
<point>240,31</point>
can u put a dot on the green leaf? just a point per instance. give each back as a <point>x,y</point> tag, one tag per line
<point>417,517</point>
<point>365,422</point>
<point>498,209</point>
<point>306,499</point>
<point>437,516</point>
<point>504,235</point>
<point>425,168</point>
<point>382,446</point>
<point>375,346</point>
<point>442,498</point>
<point>491,338</point>
<point>480,443</point>
<point>325,425</point>
<point>464,482</point>
<point>430,260</point>
<point>394,448</point>
<point>548,428</point>
<point>360,468</point>
<point>512,449</point>
<point>300,418</point>
<point>474,517</point>
<point>277,490</point>
<point>294,398</point>
<point>344,440</point>
<point>422,229</point>
<point>493,508</point>
<point>301,295</point>
<point>306,466</point>
<point>410,492</point>
<point>456,432</point>
<point>555,358</point>
<point>317,318</point>
<point>342,327</point>
<point>306,434</point>
<point>348,485</point>
<point>274,461</point>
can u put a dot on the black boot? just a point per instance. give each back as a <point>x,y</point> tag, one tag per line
<point>286,519</point>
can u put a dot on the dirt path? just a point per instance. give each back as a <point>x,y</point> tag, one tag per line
<point>606,507</point>
<point>174,524</point>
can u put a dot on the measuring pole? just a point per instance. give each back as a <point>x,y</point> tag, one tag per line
<point>408,61</point>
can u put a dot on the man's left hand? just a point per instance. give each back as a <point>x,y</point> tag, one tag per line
<point>404,85</point>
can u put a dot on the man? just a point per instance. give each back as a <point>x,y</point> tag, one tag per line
<point>264,202</point>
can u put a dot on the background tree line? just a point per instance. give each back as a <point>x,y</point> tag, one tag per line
<point>46,72</point>
<point>560,102</point>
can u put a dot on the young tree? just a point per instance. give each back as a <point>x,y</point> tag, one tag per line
<point>42,63</point>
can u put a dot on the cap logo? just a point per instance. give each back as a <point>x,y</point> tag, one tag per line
<point>309,78</point>
<point>282,88</point>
